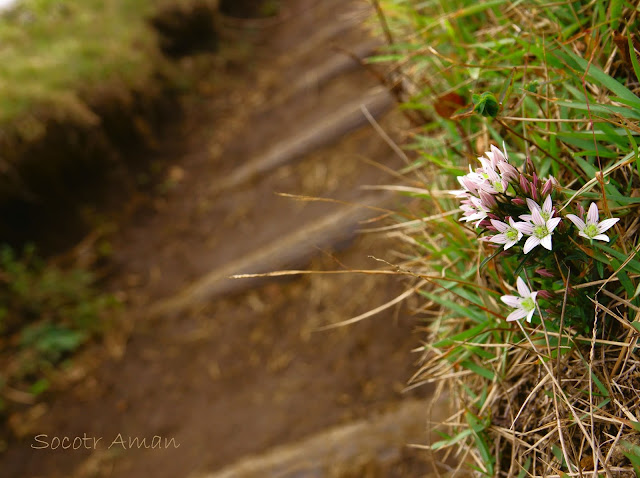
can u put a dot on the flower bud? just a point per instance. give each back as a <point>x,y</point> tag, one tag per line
<point>548,186</point>
<point>534,191</point>
<point>529,165</point>
<point>545,294</point>
<point>524,184</point>
<point>508,172</point>
<point>467,183</point>
<point>544,272</point>
<point>518,201</point>
<point>488,201</point>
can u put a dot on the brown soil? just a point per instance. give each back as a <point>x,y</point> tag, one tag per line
<point>234,368</point>
<point>249,8</point>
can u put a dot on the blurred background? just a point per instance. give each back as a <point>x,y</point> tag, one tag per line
<point>149,150</point>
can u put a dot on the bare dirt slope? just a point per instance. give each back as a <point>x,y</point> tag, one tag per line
<point>236,371</point>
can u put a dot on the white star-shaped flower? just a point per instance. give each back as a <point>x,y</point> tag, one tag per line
<point>546,211</point>
<point>524,305</point>
<point>509,235</point>
<point>539,230</point>
<point>593,229</point>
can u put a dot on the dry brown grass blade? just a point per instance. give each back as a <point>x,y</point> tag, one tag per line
<point>294,272</point>
<point>377,310</point>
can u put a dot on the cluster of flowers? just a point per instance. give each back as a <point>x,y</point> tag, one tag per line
<point>511,205</point>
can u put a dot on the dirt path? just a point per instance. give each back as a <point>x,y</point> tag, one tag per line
<point>230,369</point>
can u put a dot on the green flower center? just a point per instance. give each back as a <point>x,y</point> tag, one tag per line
<point>497,185</point>
<point>541,231</point>
<point>545,215</point>
<point>512,234</point>
<point>591,230</point>
<point>528,304</point>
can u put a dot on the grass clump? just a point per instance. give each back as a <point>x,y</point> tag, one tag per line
<point>531,108</point>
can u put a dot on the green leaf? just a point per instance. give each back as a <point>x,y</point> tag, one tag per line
<point>532,86</point>
<point>477,8</point>
<point>596,75</point>
<point>615,13</point>
<point>453,440</point>
<point>461,337</point>
<point>39,387</point>
<point>482,443</point>
<point>557,453</point>
<point>635,425</point>
<point>486,104</point>
<point>480,351</point>
<point>525,468</point>
<point>632,54</point>
<point>633,265</point>
<point>52,340</point>
<point>477,369</point>
<point>486,260</point>
<point>635,152</point>
<point>470,312</point>
<point>603,390</point>
<point>623,199</point>
<point>385,58</point>
<point>632,452</point>
<point>507,86</point>
<point>599,108</point>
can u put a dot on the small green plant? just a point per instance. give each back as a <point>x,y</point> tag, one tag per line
<point>47,314</point>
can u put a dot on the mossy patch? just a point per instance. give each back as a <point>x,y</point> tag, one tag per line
<point>49,47</point>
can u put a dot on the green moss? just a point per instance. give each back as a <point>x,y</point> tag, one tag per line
<point>49,48</point>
